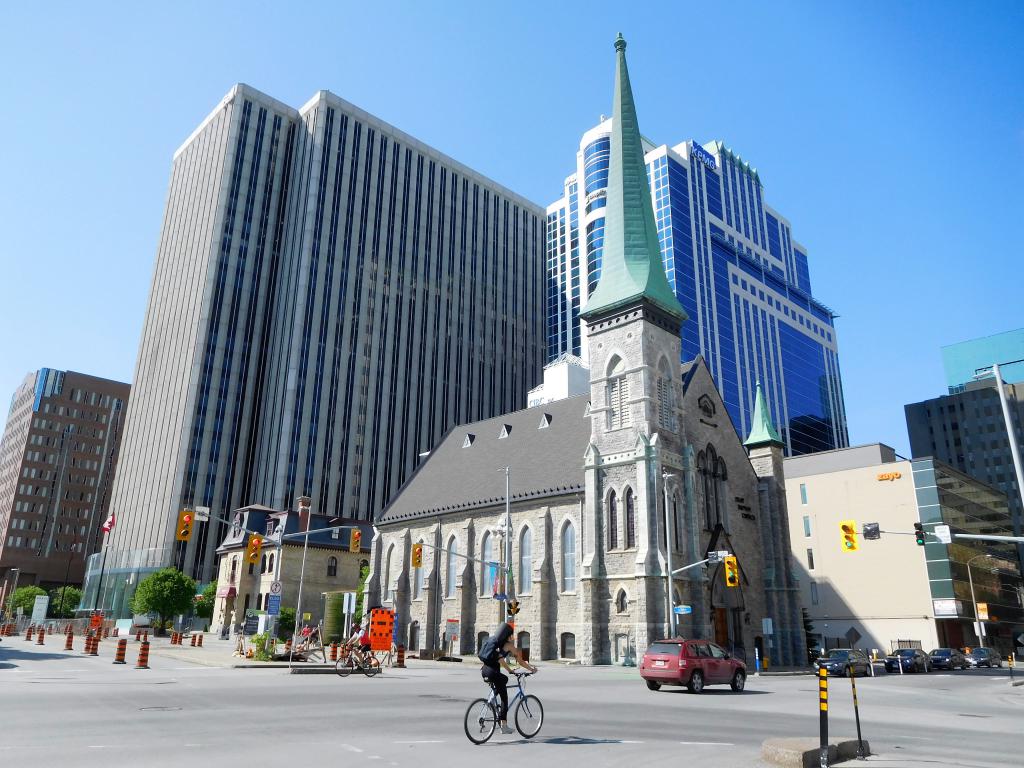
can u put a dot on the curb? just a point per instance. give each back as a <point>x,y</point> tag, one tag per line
<point>806,752</point>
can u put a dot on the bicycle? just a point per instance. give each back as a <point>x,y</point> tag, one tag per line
<point>482,715</point>
<point>355,661</point>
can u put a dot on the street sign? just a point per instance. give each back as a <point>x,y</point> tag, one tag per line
<point>275,588</point>
<point>307,616</point>
<point>946,607</point>
<point>852,636</point>
<point>451,630</point>
<point>717,556</point>
<point>39,608</point>
<point>274,605</point>
<point>202,514</point>
<point>766,626</point>
<point>682,609</point>
<point>348,606</point>
<point>982,611</point>
<point>252,625</point>
<point>942,534</point>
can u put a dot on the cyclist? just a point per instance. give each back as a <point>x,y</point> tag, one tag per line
<point>360,640</point>
<point>496,649</point>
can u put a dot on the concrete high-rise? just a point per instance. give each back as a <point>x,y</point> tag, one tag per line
<point>330,296</point>
<point>732,263</point>
<point>57,459</point>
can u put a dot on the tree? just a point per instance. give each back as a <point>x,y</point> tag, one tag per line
<point>809,635</point>
<point>364,572</point>
<point>64,601</point>
<point>164,593</point>
<point>286,623</point>
<point>204,602</point>
<point>25,598</point>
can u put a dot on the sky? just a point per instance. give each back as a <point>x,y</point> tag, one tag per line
<point>890,134</point>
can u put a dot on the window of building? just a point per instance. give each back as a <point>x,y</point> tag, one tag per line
<point>803,493</point>
<point>810,559</point>
<point>453,568</point>
<point>613,521</point>
<point>263,564</point>
<point>486,567</point>
<point>621,601</point>
<point>807,526</point>
<point>387,573</point>
<point>568,558</point>
<point>630,520</point>
<point>619,414</point>
<point>665,410</point>
<point>677,524</point>
<point>332,566</point>
<point>814,593</point>
<point>525,560</point>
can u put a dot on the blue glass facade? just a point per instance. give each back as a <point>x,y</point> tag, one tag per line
<point>735,268</point>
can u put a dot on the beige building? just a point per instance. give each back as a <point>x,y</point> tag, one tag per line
<point>244,588</point>
<point>890,592</point>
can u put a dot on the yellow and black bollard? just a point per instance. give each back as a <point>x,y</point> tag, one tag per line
<point>823,715</point>
<point>856,715</point>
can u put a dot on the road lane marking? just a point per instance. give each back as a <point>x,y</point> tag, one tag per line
<point>422,741</point>
<point>350,748</point>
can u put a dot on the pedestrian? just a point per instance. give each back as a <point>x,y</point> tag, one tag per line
<point>493,655</point>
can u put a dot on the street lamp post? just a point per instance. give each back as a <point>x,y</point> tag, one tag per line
<point>303,504</point>
<point>978,629</point>
<point>668,559</point>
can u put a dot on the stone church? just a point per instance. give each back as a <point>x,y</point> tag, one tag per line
<point>582,542</point>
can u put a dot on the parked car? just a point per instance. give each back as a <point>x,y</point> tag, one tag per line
<point>909,659</point>
<point>843,661</point>
<point>984,657</point>
<point>693,663</point>
<point>947,658</point>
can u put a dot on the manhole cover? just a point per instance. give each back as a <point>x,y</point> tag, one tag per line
<point>159,709</point>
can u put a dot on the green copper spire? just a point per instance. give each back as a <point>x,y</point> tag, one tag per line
<point>631,265</point>
<point>762,431</point>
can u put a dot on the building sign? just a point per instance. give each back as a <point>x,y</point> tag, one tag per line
<point>42,602</point>
<point>883,476</point>
<point>945,608</point>
<point>697,152</point>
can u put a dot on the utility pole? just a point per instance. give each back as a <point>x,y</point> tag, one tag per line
<point>303,502</point>
<point>506,554</point>
<point>978,628</point>
<point>1011,436</point>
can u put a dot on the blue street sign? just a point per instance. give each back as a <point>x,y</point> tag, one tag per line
<point>274,605</point>
<point>682,609</point>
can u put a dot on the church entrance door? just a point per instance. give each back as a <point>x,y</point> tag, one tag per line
<point>721,627</point>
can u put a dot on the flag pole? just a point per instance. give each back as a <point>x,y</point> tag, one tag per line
<point>107,527</point>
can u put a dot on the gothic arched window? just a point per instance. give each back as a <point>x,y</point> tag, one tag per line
<point>525,560</point>
<point>332,566</point>
<point>630,519</point>
<point>453,567</point>
<point>613,521</point>
<point>486,570</point>
<point>619,414</point>
<point>568,558</point>
<point>621,601</point>
<point>665,409</point>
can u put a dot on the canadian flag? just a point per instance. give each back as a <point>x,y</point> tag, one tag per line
<point>107,526</point>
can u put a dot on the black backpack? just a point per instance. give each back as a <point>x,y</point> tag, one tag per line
<point>490,653</point>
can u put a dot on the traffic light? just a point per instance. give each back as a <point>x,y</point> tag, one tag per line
<point>354,540</point>
<point>186,518</point>
<point>848,528</point>
<point>252,548</point>
<point>732,572</point>
<point>513,607</point>
<point>417,555</point>
<point>919,534</point>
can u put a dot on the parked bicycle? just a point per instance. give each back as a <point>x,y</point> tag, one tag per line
<point>482,714</point>
<point>355,661</point>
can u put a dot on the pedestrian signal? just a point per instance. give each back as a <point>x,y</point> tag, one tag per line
<point>848,529</point>
<point>732,572</point>
<point>919,534</point>
<point>186,519</point>
<point>417,555</point>
<point>253,547</point>
<point>354,541</point>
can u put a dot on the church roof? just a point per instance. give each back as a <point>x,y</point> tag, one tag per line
<point>543,446</point>
<point>631,263</point>
<point>762,431</point>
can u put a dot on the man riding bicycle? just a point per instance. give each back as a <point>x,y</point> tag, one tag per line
<point>359,643</point>
<point>496,649</point>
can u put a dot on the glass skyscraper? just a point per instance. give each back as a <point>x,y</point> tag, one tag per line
<point>734,266</point>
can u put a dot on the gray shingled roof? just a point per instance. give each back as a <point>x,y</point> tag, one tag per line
<point>544,462</point>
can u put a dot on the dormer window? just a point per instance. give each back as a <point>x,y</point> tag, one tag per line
<point>470,437</point>
<point>506,430</point>
<point>545,421</point>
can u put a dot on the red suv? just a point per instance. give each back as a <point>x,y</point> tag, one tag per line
<point>693,663</point>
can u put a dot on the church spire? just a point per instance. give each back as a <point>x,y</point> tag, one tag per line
<point>631,264</point>
<point>762,431</point>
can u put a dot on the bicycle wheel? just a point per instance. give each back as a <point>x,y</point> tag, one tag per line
<point>480,721</point>
<point>371,666</point>
<point>344,667</point>
<point>529,716</point>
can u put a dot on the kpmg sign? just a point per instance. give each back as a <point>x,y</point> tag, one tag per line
<point>698,152</point>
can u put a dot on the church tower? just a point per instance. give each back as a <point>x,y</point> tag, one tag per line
<point>787,645</point>
<point>633,320</point>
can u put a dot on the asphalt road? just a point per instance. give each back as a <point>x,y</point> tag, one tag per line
<point>68,709</point>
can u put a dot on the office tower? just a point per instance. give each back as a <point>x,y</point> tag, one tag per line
<point>735,268</point>
<point>330,296</point>
<point>967,428</point>
<point>57,458</point>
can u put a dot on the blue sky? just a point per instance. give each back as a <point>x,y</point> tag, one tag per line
<point>890,134</point>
